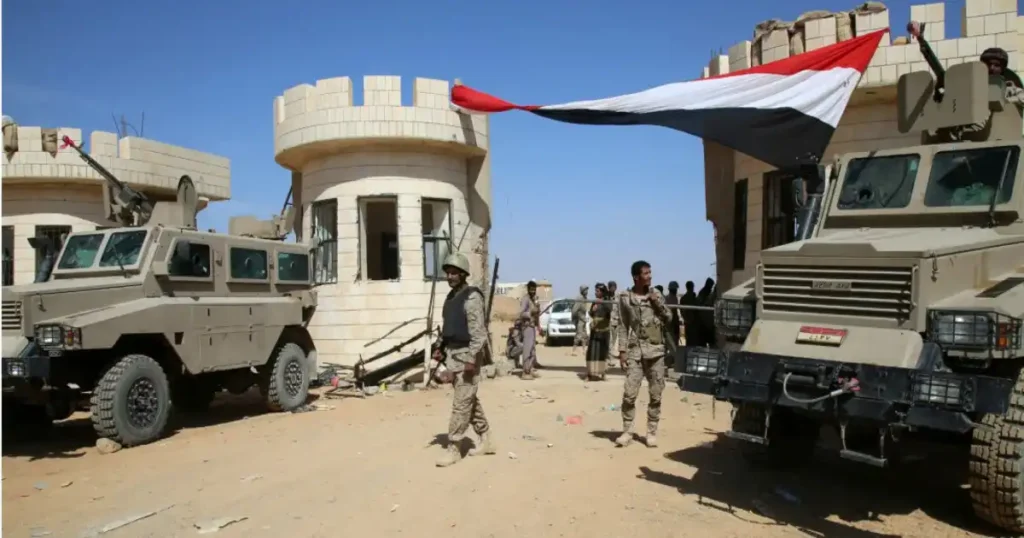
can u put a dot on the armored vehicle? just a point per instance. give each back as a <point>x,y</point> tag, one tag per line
<point>900,316</point>
<point>154,315</point>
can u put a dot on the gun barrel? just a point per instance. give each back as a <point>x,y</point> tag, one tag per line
<point>933,62</point>
<point>130,193</point>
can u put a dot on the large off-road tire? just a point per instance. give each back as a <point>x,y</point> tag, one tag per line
<point>192,394</point>
<point>132,401</point>
<point>791,438</point>
<point>997,465</point>
<point>287,378</point>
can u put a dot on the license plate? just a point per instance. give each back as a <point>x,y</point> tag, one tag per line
<point>821,336</point>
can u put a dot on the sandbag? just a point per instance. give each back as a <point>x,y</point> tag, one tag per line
<point>844,26</point>
<point>869,7</point>
<point>812,16</point>
<point>50,141</point>
<point>10,130</point>
<point>796,39</point>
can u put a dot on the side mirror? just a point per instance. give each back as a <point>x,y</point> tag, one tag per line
<point>799,192</point>
<point>182,249</point>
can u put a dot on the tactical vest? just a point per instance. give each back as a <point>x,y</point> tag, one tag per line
<point>456,326</point>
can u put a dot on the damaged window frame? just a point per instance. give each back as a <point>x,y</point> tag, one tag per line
<point>324,230</point>
<point>363,203</point>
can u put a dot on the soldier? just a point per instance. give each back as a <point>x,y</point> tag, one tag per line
<point>579,319</point>
<point>529,322</point>
<point>613,323</point>
<point>641,345</point>
<point>464,336</point>
<point>691,325</point>
<point>673,298</point>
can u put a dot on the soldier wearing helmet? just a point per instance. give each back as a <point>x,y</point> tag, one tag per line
<point>529,323</point>
<point>464,335</point>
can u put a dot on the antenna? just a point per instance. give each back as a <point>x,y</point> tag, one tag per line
<point>122,125</point>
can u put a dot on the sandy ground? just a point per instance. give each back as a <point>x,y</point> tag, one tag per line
<point>365,467</point>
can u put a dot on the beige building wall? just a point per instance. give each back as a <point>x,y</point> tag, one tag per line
<point>869,122</point>
<point>343,155</point>
<point>44,189</point>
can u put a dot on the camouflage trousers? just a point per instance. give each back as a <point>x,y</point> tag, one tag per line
<point>636,371</point>
<point>581,334</point>
<point>466,408</point>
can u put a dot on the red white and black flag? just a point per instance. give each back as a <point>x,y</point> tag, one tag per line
<point>783,112</point>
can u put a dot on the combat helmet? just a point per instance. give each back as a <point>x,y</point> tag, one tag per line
<point>458,261</point>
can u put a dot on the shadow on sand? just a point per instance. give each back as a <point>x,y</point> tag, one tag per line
<point>68,438</point>
<point>824,497</point>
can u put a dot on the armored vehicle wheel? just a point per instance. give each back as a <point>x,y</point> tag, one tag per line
<point>192,395</point>
<point>790,438</point>
<point>287,382</point>
<point>132,401</point>
<point>997,465</point>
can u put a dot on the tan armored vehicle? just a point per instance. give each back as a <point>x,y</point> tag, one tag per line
<point>898,316</point>
<point>154,316</point>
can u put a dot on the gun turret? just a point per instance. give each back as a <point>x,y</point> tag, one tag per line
<point>128,207</point>
<point>277,228</point>
<point>962,102</point>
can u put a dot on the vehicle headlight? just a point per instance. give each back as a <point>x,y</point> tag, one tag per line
<point>58,336</point>
<point>702,361</point>
<point>938,389</point>
<point>735,315</point>
<point>974,330</point>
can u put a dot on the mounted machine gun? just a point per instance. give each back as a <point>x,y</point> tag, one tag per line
<point>277,228</point>
<point>130,208</point>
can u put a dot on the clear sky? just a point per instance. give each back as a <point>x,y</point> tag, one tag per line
<point>572,204</point>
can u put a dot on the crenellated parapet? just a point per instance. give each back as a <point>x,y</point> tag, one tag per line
<point>33,156</point>
<point>325,117</point>
<point>983,24</point>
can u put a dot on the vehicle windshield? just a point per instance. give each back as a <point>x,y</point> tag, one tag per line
<point>879,182</point>
<point>80,251</point>
<point>971,177</point>
<point>123,248</point>
<point>561,306</point>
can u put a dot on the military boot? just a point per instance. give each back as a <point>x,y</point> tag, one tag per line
<point>451,457</point>
<point>485,447</point>
<point>651,440</point>
<point>626,438</point>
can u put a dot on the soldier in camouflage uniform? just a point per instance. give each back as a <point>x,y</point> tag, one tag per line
<point>579,319</point>
<point>464,335</point>
<point>641,345</point>
<point>613,324</point>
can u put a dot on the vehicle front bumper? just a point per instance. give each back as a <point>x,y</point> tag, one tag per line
<point>891,395</point>
<point>561,331</point>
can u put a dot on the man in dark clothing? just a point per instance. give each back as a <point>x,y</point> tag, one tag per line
<point>706,297</point>
<point>673,329</point>
<point>691,326</point>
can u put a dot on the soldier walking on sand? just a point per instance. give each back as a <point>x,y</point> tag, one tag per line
<point>464,335</point>
<point>579,319</point>
<point>641,345</point>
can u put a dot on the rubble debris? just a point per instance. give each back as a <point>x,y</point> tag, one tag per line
<point>67,483</point>
<point>216,525</point>
<point>574,420</point>
<point>39,532</point>
<point>107,446</point>
<point>393,508</point>
<point>40,485</point>
<point>252,478</point>
<point>512,456</point>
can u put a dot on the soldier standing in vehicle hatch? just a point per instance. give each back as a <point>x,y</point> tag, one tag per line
<point>464,335</point>
<point>641,345</point>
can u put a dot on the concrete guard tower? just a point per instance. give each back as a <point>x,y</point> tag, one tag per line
<point>389,190</point>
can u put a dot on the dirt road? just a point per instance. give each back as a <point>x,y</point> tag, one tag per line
<point>366,468</point>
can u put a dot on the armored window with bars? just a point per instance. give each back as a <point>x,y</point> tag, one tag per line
<point>325,231</point>
<point>778,212</point>
<point>436,225</point>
